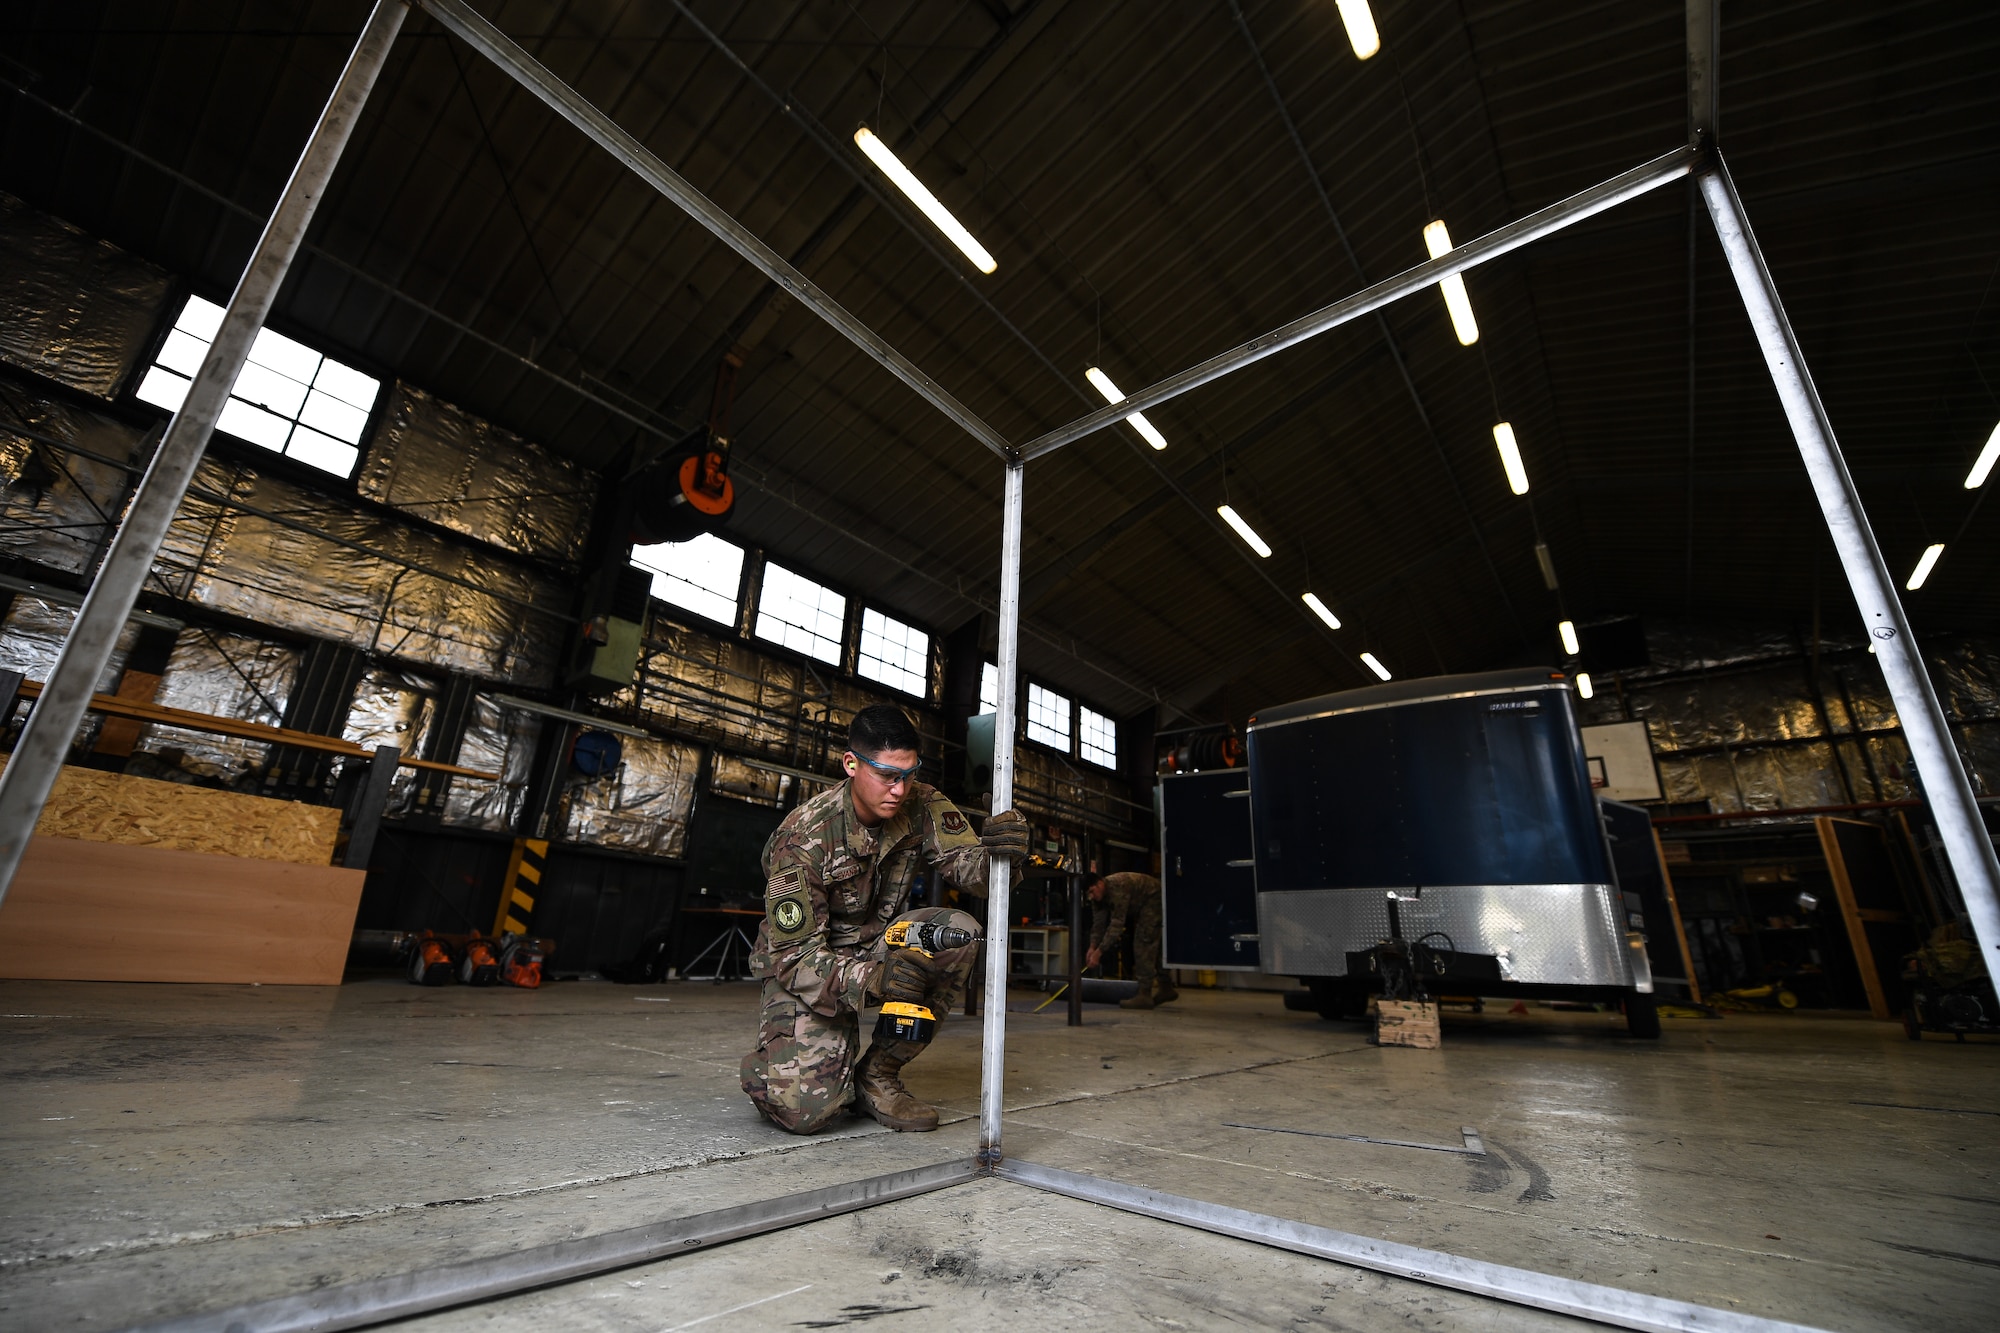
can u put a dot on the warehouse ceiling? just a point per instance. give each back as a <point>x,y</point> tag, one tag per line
<point>1134,169</point>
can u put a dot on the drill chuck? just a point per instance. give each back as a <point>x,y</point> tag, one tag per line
<point>928,936</point>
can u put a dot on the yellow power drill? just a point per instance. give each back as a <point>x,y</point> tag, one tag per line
<point>903,1020</point>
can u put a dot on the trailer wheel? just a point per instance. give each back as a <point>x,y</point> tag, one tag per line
<point>1642,1016</point>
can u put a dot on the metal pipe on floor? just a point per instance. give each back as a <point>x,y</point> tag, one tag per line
<point>1519,1286</point>
<point>24,787</point>
<point>467,24</point>
<point>999,875</point>
<point>403,1295</point>
<point>1627,185</point>
<point>1925,731</point>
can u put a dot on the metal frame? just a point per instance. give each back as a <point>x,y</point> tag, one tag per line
<point>27,780</point>
<point>31,773</point>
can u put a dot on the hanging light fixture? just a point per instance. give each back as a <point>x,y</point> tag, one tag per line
<point>1983,465</point>
<point>1510,458</point>
<point>1583,685</point>
<point>1321,610</point>
<point>1925,564</point>
<point>905,180</point>
<point>1438,242</point>
<point>1373,664</point>
<point>1112,394</point>
<point>1568,632</point>
<point>1360,24</point>
<point>1244,530</point>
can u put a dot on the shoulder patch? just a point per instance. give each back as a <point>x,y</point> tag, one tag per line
<point>788,907</point>
<point>952,822</point>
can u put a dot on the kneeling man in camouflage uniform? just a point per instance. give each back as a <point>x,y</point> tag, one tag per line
<point>838,874</point>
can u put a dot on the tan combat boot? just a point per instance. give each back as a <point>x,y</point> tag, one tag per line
<point>880,1089</point>
<point>1141,1000</point>
<point>1163,990</point>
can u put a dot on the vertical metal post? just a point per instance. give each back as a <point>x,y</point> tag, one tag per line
<point>24,788</point>
<point>1074,1018</point>
<point>1704,47</point>
<point>993,1043</point>
<point>1944,781</point>
<point>366,819</point>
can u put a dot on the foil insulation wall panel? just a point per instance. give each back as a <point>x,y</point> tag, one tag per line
<point>31,637</point>
<point>393,708</point>
<point>56,508</point>
<point>371,599</point>
<point>497,740</point>
<point>79,311</point>
<point>698,683</point>
<point>227,675</point>
<point>1735,724</point>
<point>735,778</point>
<point>448,467</point>
<point>640,806</point>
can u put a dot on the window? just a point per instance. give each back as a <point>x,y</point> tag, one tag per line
<point>989,688</point>
<point>1048,718</point>
<point>287,398</point>
<point>896,654</point>
<point>701,575</point>
<point>1097,737</point>
<point>801,615</point>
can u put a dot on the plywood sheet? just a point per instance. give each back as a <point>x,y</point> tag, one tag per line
<point>101,911</point>
<point>96,806</point>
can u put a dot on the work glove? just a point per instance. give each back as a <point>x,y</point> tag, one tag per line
<point>1005,834</point>
<point>906,975</point>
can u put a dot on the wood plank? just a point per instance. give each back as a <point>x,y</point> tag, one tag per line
<point>99,911</point>
<point>1850,912</point>
<point>112,706</point>
<point>1680,927</point>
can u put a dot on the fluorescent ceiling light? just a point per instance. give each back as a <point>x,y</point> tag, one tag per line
<point>1438,241</point>
<point>1548,564</point>
<point>1510,458</point>
<point>1102,383</point>
<point>1375,666</point>
<point>1583,685</point>
<point>1244,530</point>
<point>1568,631</point>
<point>1319,609</point>
<point>892,166</point>
<point>1360,25</point>
<point>1925,565</point>
<point>1984,463</point>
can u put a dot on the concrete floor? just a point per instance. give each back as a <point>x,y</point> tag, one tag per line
<point>175,1148</point>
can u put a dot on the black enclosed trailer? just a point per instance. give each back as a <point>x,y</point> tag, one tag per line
<point>1467,798</point>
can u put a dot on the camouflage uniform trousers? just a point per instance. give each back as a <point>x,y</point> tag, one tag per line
<point>801,1076</point>
<point>1146,943</point>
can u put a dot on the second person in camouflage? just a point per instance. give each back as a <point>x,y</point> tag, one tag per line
<point>1115,900</point>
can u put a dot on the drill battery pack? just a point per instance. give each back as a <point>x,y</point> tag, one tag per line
<point>900,1021</point>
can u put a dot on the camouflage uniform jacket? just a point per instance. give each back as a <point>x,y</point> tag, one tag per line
<point>1125,895</point>
<point>833,885</point>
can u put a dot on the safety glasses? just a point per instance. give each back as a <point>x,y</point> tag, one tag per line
<point>891,775</point>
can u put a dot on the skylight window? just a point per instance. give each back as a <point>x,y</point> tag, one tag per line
<point>989,688</point>
<point>1048,718</point>
<point>287,398</point>
<point>702,575</point>
<point>1097,737</point>
<point>896,654</point>
<point>800,614</point>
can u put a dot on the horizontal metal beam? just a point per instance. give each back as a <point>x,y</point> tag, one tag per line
<point>1519,1286</point>
<point>565,101</point>
<point>1629,185</point>
<point>365,1304</point>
